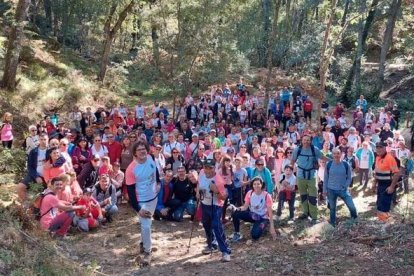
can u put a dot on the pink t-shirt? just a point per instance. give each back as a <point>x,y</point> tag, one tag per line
<point>129,173</point>
<point>49,202</point>
<point>6,132</point>
<point>65,194</point>
<point>49,173</point>
<point>259,203</point>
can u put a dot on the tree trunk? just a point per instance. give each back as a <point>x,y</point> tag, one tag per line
<point>105,57</point>
<point>357,67</point>
<point>155,45</point>
<point>14,46</point>
<point>392,18</point>
<point>359,50</point>
<point>47,5</point>
<point>270,53</point>
<point>110,35</point>
<point>264,44</point>
<point>325,58</point>
<point>346,10</point>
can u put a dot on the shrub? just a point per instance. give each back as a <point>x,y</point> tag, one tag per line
<point>12,163</point>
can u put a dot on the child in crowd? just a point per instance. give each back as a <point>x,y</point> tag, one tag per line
<point>287,192</point>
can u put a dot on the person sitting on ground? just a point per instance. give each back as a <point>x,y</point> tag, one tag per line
<point>337,178</point>
<point>257,209</point>
<point>89,174</point>
<point>56,215</point>
<point>182,196</point>
<point>164,195</point>
<point>50,167</point>
<point>90,217</point>
<point>105,193</point>
<point>286,188</point>
<point>117,178</point>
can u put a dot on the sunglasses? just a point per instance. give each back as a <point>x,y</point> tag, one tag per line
<point>97,140</point>
<point>175,152</point>
<point>260,164</point>
<point>289,152</point>
<point>63,144</point>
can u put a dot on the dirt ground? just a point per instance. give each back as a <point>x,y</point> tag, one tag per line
<point>368,247</point>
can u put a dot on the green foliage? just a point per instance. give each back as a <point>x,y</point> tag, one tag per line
<point>12,161</point>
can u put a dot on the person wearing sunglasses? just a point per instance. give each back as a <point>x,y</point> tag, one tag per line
<point>264,173</point>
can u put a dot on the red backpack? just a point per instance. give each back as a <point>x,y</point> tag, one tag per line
<point>307,106</point>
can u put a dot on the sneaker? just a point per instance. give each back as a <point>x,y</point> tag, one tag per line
<point>291,221</point>
<point>141,248</point>
<point>208,250</point>
<point>226,257</point>
<point>236,237</point>
<point>303,216</point>
<point>146,260</point>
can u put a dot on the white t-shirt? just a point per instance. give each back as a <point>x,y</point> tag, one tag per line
<point>146,180</point>
<point>204,183</point>
<point>364,161</point>
<point>41,157</point>
<point>103,151</point>
<point>291,179</point>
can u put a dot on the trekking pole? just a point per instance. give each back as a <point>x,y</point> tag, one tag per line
<point>212,218</point>
<point>192,227</point>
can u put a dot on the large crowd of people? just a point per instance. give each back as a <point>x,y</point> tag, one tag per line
<point>224,157</point>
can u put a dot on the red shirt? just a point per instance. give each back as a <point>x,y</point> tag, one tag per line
<point>114,151</point>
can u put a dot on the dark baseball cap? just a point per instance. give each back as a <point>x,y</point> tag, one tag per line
<point>381,144</point>
<point>209,163</point>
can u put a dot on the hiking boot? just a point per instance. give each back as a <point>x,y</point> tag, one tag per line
<point>291,221</point>
<point>146,259</point>
<point>226,257</point>
<point>141,248</point>
<point>208,250</point>
<point>236,237</point>
<point>303,216</point>
<point>314,221</point>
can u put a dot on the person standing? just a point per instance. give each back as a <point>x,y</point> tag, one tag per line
<point>366,161</point>
<point>6,131</point>
<point>337,178</point>
<point>386,175</point>
<point>143,185</point>
<point>211,193</point>
<point>306,157</point>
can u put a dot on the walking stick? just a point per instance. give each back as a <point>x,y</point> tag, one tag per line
<point>212,218</point>
<point>192,226</point>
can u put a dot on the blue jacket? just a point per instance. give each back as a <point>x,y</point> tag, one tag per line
<point>267,178</point>
<point>160,202</point>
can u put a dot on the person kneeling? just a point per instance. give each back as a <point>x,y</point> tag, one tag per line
<point>105,193</point>
<point>257,209</point>
<point>56,215</point>
<point>91,217</point>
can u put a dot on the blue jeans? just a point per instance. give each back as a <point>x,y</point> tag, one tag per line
<point>188,206</point>
<point>211,219</point>
<point>259,226</point>
<point>346,197</point>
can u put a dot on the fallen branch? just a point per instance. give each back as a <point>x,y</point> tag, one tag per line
<point>370,239</point>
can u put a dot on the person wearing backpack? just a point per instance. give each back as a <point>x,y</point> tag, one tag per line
<point>257,209</point>
<point>105,193</point>
<point>306,157</point>
<point>337,179</point>
<point>55,215</point>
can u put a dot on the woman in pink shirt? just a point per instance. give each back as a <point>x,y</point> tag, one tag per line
<point>7,130</point>
<point>50,171</point>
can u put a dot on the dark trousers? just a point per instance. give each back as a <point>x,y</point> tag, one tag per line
<point>212,224</point>
<point>384,199</point>
<point>291,201</point>
<point>259,226</point>
<point>7,144</point>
